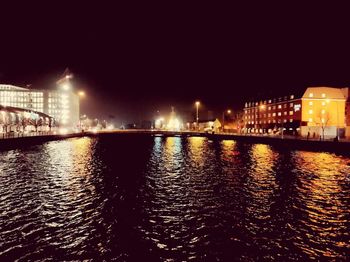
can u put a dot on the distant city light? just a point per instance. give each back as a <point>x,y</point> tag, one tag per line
<point>81,93</point>
<point>174,124</point>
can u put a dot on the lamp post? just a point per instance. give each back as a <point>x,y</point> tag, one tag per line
<point>223,119</point>
<point>197,116</point>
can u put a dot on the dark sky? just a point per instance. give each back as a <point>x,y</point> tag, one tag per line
<point>134,60</point>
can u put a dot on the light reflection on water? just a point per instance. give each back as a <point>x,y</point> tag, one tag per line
<point>163,198</point>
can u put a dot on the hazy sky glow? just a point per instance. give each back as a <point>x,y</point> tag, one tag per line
<point>134,60</point>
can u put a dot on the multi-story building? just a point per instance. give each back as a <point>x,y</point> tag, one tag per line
<point>270,115</point>
<point>62,105</point>
<point>320,111</point>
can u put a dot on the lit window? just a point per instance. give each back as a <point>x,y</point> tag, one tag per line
<point>285,113</point>
<point>279,106</point>
<point>311,103</point>
<point>311,95</point>
<point>291,113</point>
<point>310,119</point>
<point>323,95</point>
<point>279,113</point>
<point>323,103</point>
<point>323,111</point>
<point>310,111</point>
<point>273,114</point>
<point>269,108</point>
<point>285,120</point>
<point>292,97</point>
<point>291,120</point>
<point>323,120</point>
<point>290,104</point>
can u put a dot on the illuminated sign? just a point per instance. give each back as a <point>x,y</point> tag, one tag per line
<point>297,107</point>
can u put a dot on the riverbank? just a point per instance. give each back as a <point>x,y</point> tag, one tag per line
<point>286,143</point>
<point>21,141</point>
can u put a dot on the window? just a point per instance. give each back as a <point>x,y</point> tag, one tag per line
<point>323,120</point>
<point>279,106</point>
<point>291,120</point>
<point>290,104</point>
<point>285,106</point>
<point>311,103</point>
<point>269,115</point>
<point>285,120</point>
<point>291,113</point>
<point>311,95</point>
<point>269,108</point>
<point>279,114</point>
<point>310,111</point>
<point>273,114</point>
<point>285,113</point>
<point>292,97</point>
<point>323,111</point>
<point>323,103</point>
<point>310,119</point>
<point>323,95</point>
<point>274,107</point>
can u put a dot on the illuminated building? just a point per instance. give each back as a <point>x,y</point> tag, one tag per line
<point>210,125</point>
<point>320,111</point>
<point>270,115</point>
<point>62,105</point>
<point>174,124</point>
<point>323,111</point>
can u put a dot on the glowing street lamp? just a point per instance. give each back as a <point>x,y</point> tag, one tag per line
<point>81,93</point>
<point>223,118</point>
<point>197,116</point>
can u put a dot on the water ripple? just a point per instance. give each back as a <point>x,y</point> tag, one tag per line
<point>172,199</point>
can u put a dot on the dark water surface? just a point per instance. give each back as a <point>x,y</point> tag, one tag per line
<point>143,198</point>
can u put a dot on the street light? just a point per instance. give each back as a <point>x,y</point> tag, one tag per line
<point>81,93</point>
<point>197,116</point>
<point>223,119</point>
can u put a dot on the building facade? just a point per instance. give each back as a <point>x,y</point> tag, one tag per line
<point>62,105</point>
<point>319,112</point>
<point>271,115</point>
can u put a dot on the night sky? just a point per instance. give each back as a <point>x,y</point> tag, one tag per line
<point>134,60</point>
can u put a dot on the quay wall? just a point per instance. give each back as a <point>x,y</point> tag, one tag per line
<point>342,147</point>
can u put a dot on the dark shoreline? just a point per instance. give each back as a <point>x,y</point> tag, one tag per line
<point>285,143</point>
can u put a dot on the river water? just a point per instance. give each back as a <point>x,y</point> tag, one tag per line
<point>144,198</point>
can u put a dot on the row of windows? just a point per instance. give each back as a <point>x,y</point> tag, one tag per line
<point>312,95</point>
<point>20,94</point>
<point>270,121</point>
<point>270,107</point>
<point>273,114</point>
<point>323,103</point>
<point>249,104</point>
<point>312,111</point>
